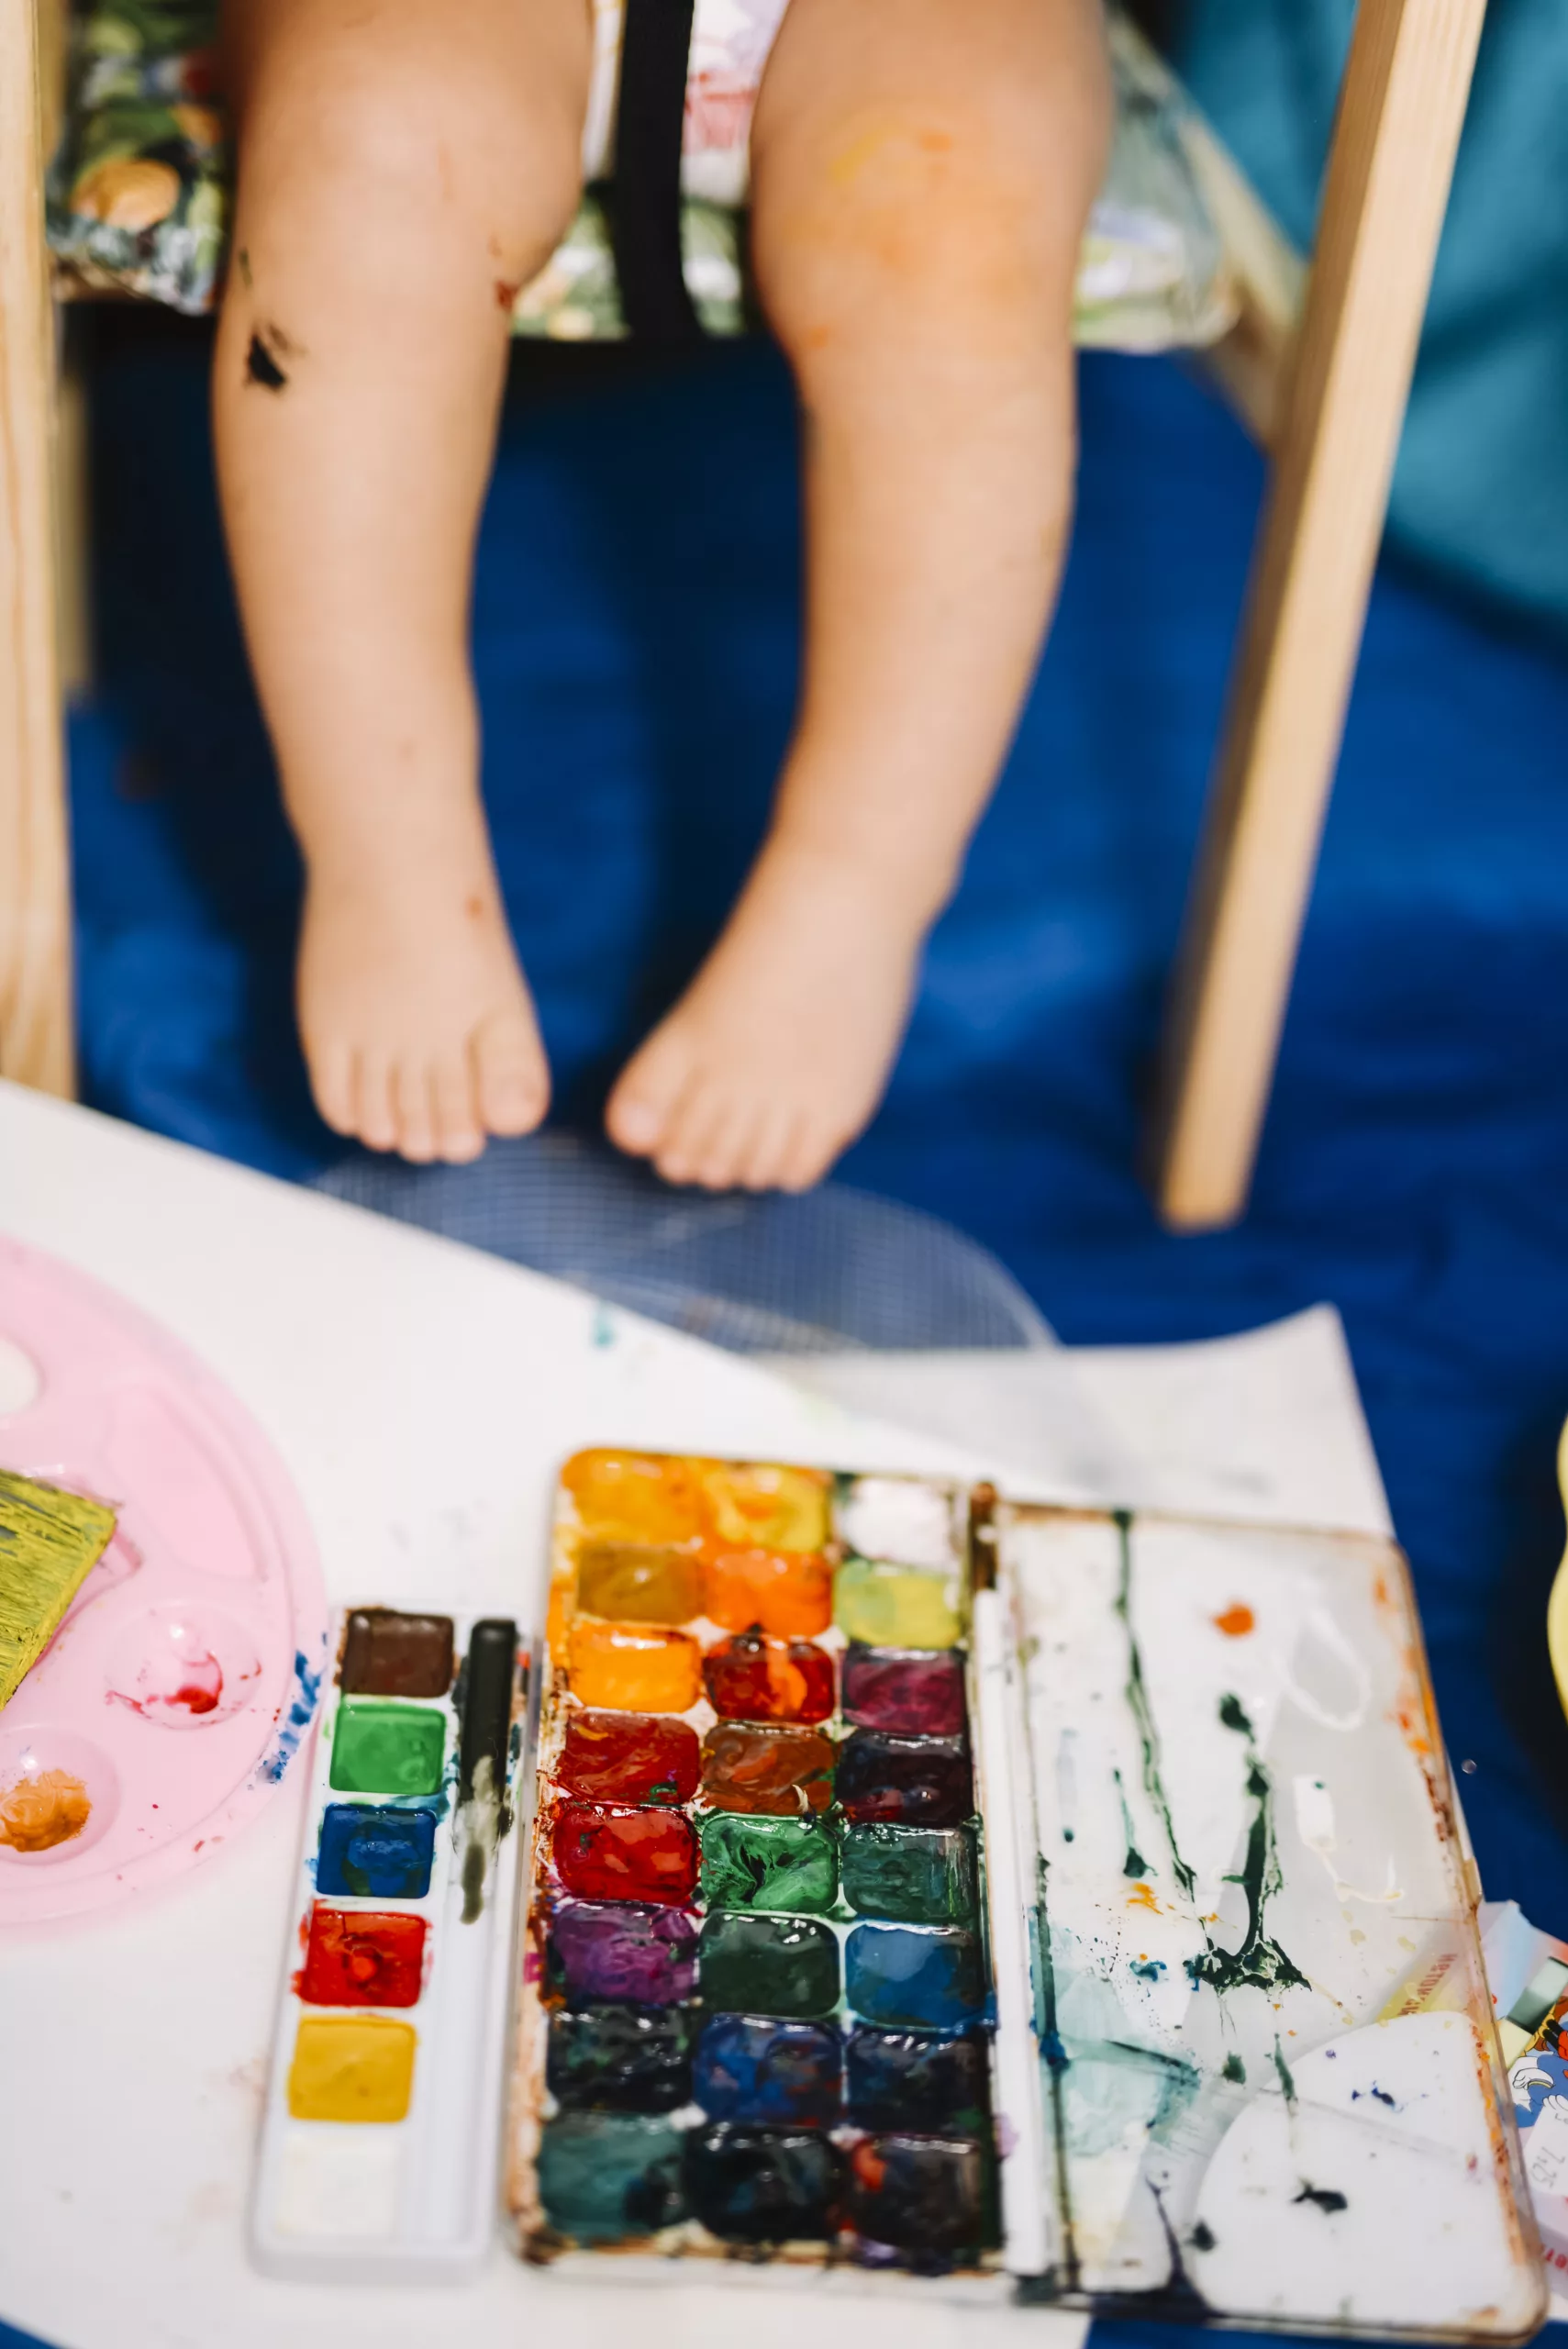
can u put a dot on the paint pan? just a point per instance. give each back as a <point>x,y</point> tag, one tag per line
<point>962,1897</point>
<point>380,2146</point>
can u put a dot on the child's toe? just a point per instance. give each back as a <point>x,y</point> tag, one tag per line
<point>710,1137</point>
<point>642,1113</point>
<point>411,1104</point>
<point>332,1083</point>
<point>373,1121</point>
<point>510,1077</point>
<point>459,1136</point>
<point>765,1152</point>
<point>805,1157</point>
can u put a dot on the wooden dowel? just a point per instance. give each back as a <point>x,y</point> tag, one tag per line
<point>36,1028</point>
<point>1401,107</point>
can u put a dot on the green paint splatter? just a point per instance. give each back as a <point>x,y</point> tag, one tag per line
<point>1202,2237</point>
<point>1258,1962</point>
<point>1137,1700</point>
<point>1286,2080</point>
<point>1235,2070</point>
<point>1054,2055</point>
<point>1134,1864</point>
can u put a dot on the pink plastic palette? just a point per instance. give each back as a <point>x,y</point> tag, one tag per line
<point>180,1683</point>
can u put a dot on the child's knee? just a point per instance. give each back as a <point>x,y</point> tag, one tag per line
<point>400,156</point>
<point>962,216</point>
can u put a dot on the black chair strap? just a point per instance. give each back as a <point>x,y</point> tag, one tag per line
<point>645,196</point>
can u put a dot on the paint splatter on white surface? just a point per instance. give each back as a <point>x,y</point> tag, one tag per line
<point>1219,1718</point>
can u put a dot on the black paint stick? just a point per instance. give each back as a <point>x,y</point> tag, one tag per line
<point>487,1704</point>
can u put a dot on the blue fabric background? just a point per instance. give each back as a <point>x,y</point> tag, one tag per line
<point>1481,484</point>
<point>636,639</point>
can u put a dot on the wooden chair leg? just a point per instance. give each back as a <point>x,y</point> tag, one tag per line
<point>73,515</point>
<point>36,1026</point>
<point>1401,107</point>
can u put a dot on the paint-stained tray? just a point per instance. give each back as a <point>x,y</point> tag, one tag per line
<point>1216,2043</point>
<point>175,1692</point>
<point>1270,2085</point>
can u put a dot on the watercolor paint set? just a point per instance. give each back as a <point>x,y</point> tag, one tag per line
<point>382,2133</point>
<point>972,1898</point>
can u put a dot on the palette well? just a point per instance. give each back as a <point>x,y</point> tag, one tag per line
<point>972,1897</point>
<point>173,1696</point>
<point>380,2144</point>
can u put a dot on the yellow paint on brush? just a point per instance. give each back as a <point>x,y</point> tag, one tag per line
<point>356,2069</point>
<point>49,1542</point>
<point>631,1668</point>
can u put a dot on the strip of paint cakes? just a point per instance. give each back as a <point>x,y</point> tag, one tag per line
<point>380,2143</point>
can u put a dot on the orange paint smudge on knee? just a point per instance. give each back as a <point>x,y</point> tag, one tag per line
<point>1236,1621</point>
<point>506,293</point>
<point>892,131</point>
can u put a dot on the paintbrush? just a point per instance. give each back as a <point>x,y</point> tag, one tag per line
<point>49,1542</point>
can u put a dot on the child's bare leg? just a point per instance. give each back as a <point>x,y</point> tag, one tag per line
<point>404,164</point>
<point>922,172</point>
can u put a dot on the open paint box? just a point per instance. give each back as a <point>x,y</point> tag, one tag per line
<point>932,1893</point>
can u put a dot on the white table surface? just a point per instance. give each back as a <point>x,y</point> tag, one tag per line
<point>421,1396</point>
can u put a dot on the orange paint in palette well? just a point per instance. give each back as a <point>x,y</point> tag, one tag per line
<point>626,1496</point>
<point>37,1814</point>
<point>789,1596</point>
<point>634,1496</point>
<point>633,1667</point>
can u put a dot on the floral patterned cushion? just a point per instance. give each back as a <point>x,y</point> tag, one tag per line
<point>138,198</point>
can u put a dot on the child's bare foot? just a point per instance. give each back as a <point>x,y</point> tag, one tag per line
<point>777,1054</point>
<point>416,1023</point>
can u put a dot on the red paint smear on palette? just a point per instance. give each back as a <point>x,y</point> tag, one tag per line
<point>604,1854</point>
<point>751,1678</point>
<point>630,1757</point>
<point>361,1958</point>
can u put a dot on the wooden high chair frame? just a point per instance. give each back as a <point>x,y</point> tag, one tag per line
<point>1322,382</point>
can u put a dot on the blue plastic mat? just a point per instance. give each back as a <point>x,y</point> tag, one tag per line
<point>636,640</point>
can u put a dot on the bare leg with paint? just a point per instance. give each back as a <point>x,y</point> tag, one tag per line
<point>404,166</point>
<point>923,172</point>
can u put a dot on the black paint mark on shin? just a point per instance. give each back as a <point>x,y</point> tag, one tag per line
<point>261,368</point>
<point>265,360</point>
